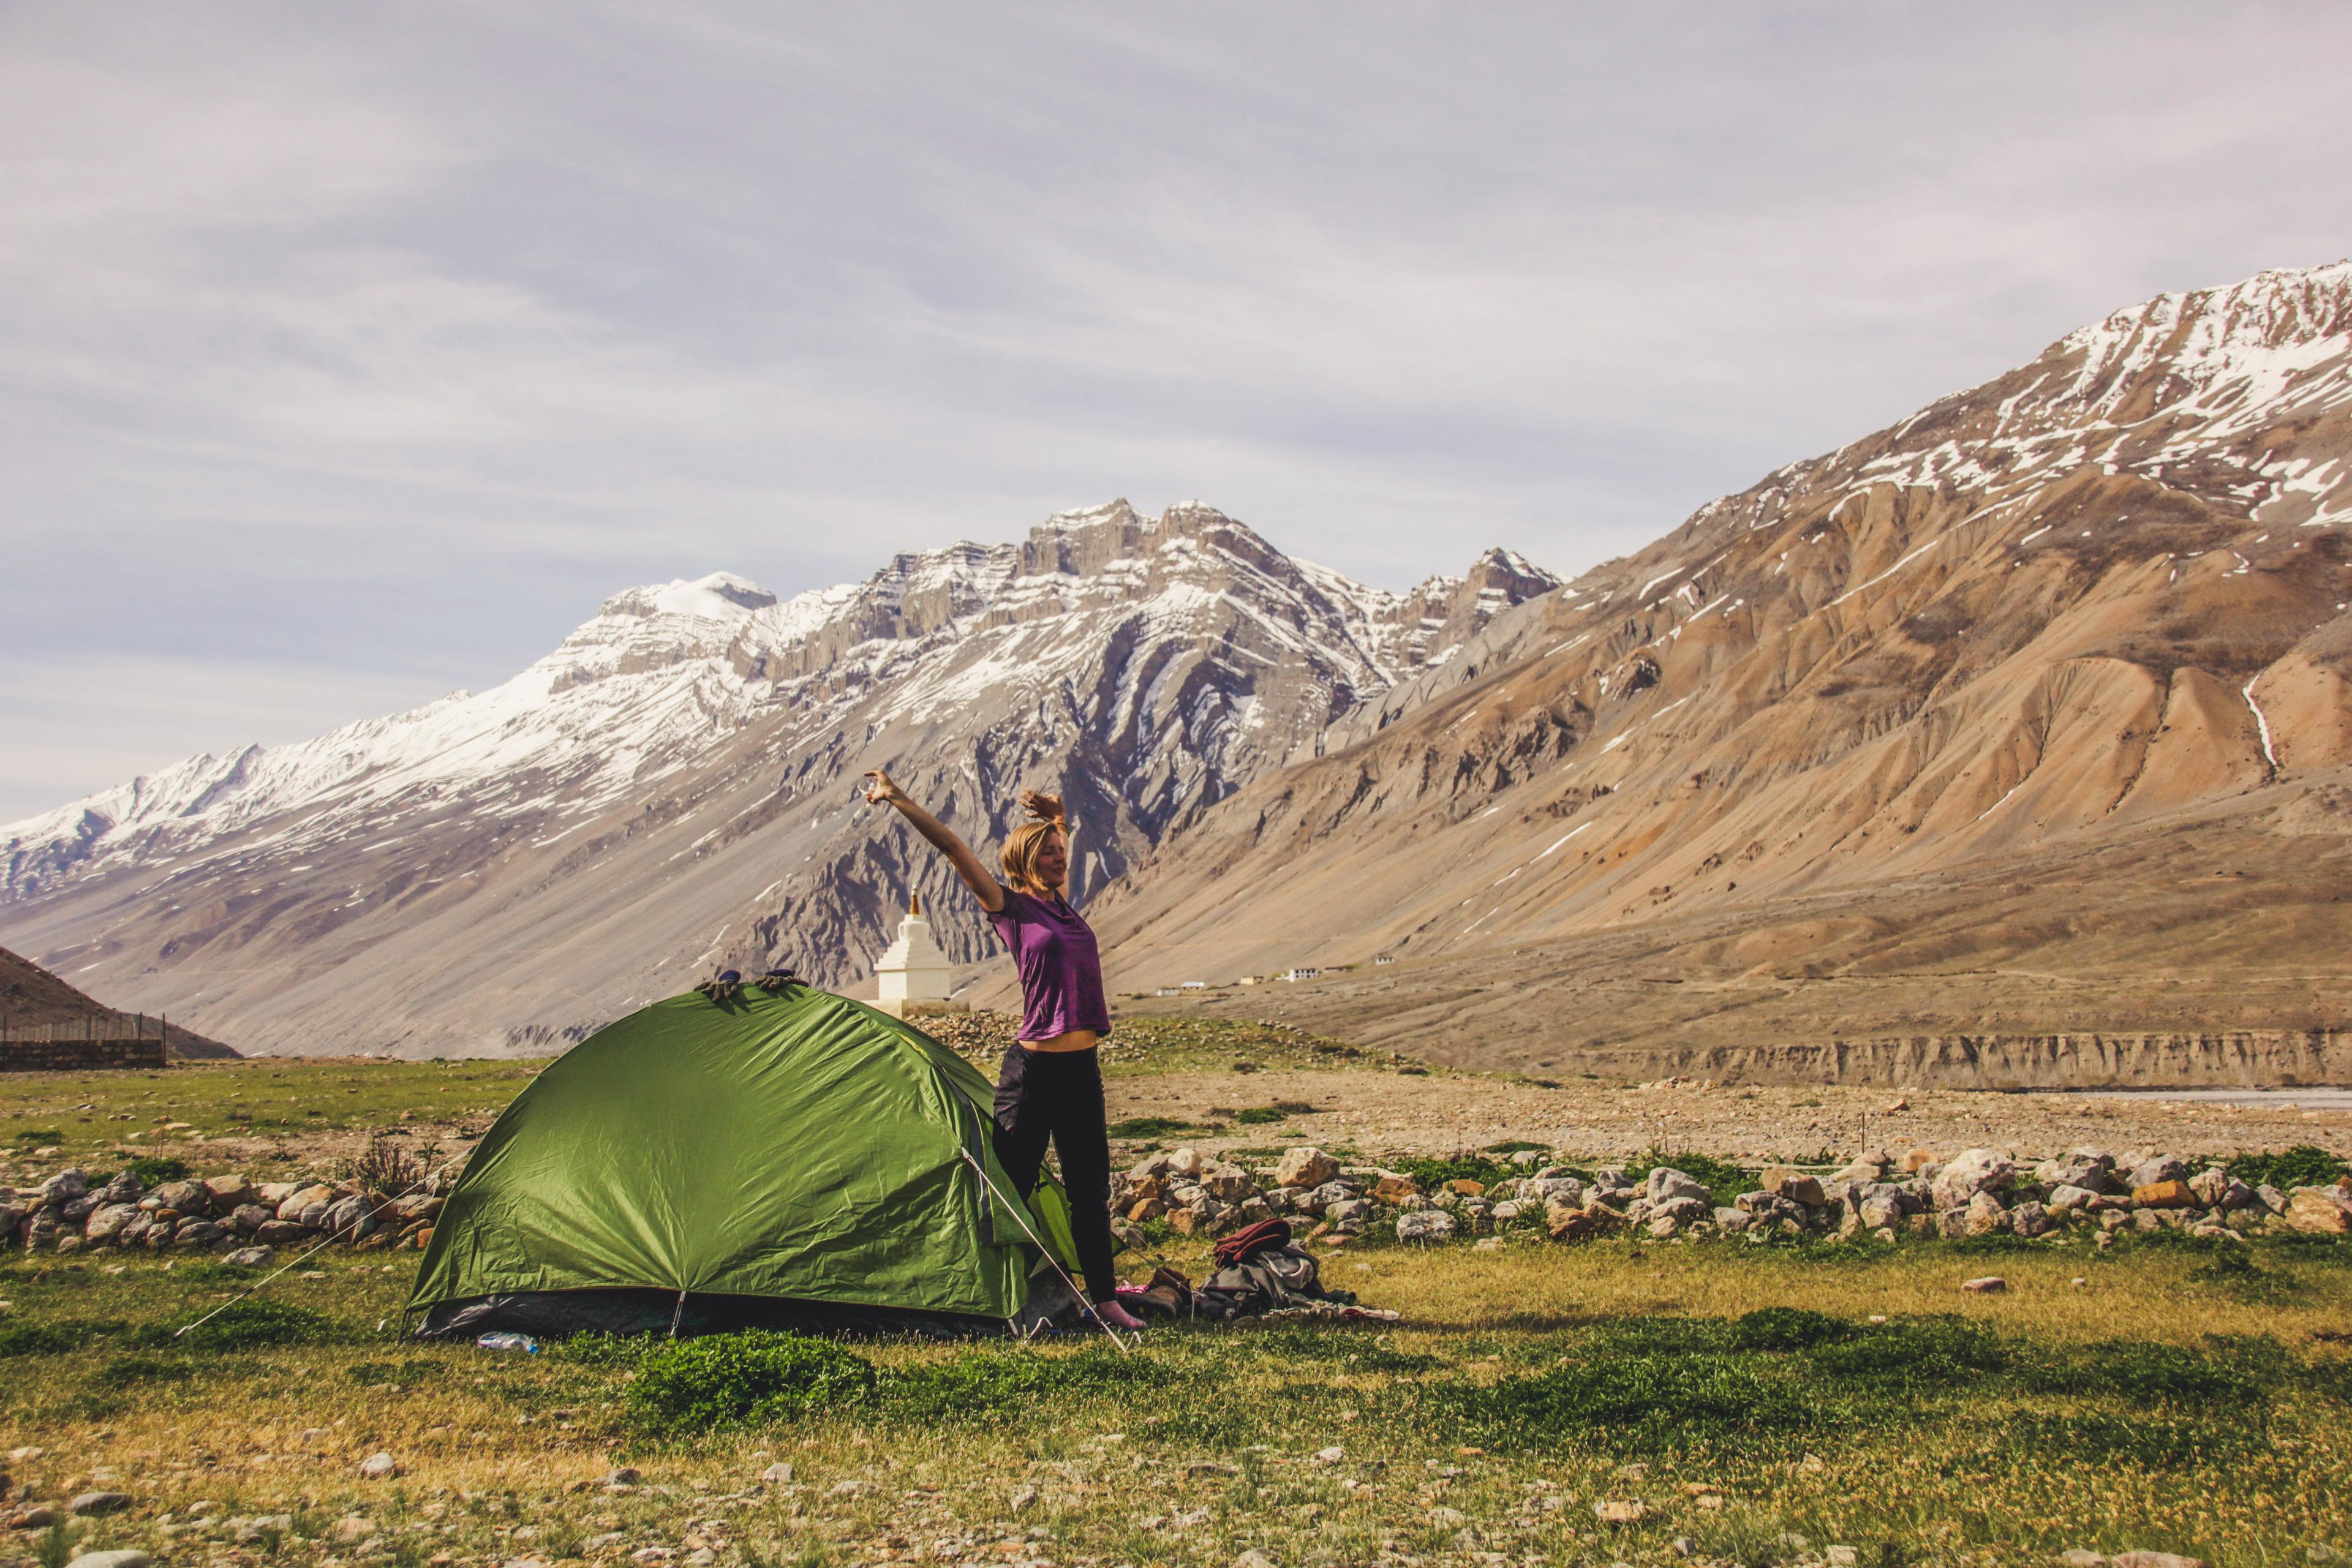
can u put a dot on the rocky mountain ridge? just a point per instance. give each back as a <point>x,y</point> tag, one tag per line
<point>672,787</point>
<point>2030,713</point>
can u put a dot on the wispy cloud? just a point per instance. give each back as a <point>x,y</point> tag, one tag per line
<point>371,348</point>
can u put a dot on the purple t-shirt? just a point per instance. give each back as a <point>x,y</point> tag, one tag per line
<point>1061,972</point>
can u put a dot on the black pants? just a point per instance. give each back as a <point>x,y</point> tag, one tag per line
<point>1059,1095</point>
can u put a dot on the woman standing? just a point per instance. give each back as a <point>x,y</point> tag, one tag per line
<point>1051,1086</point>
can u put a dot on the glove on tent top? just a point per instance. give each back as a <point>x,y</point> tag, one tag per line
<point>760,1154</point>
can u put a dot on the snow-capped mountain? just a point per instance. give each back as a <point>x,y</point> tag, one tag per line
<point>672,786</point>
<point>2032,713</point>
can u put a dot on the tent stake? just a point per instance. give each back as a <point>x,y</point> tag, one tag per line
<point>677,1315</point>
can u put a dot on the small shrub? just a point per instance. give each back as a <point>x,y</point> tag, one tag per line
<point>55,1546</point>
<point>1258,1115</point>
<point>2304,1165</point>
<point>38,1136</point>
<point>245,1325</point>
<point>1512,1146</point>
<point>722,1380</point>
<point>385,1166</point>
<point>154,1170</point>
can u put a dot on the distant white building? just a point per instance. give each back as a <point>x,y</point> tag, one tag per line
<point>1302,975</point>
<point>912,975</point>
<point>1385,958</point>
<point>1249,980</point>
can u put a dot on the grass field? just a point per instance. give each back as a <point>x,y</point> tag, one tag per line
<point>2175,1400</point>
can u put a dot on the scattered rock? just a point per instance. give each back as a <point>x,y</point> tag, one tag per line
<point>1303,1168</point>
<point>250,1256</point>
<point>2322,1211</point>
<point>2079,1557</point>
<point>2169,1194</point>
<point>1425,1225</point>
<point>2161,1168</point>
<point>1615,1511</point>
<point>2153,1560</point>
<point>1990,1284</point>
<point>89,1505</point>
<point>1331,1456</point>
<point>1968,1172</point>
<point>627,1475</point>
<point>40,1515</point>
<point>379,1467</point>
<point>352,1529</point>
<point>1667,1184</point>
<point>1795,1185</point>
<point>125,1557</point>
<point>1841,1556</point>
<point>776,1475</point>
<point>1252,1560</point>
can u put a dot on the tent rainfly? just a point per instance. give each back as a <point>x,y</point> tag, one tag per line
<point>763,1156</point>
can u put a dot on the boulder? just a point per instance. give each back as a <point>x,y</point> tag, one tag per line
<point>1318,1199</point>
<point>2321,1211</point>
<point>1968,1172</point>
<point>1395,1189</point>
<point>1879,1210</point>
<point>1425,1225</point>
<point>126,1188</point>
<point>1795,1185</point>
<point>276,1193</point>
<point>65,1186</point>
<point>2270,1198</point>
<point>228,1192</point>
<point>249,1257</point>
<point>293,1207</point>
<point>1731,1221</point>
<point>251,1217</point>
<point>278,1233</point>
<point>1985,1217</point>
<point>106,1221</point>
<point>1227,1184</point>
<point>185,1197</point>
<point>1303,1168</point>
<point>1990,1284</point>
<point>2094,1169</point>
<point>2161,1168</point>
<point>379,1467</point>
<point>91,1505</point>
<point>1187,1163</point>
<point>1667,1183</point>
<point>1543,1189</point>
<point>1682,1211</point>
<point>2030,1218</point>
<point>349,1219</point>
<point>2169,1194</point>
<point>1567,1222</point>
<point>2067,1197</point>
<point>1351,1214</point>
<point>196,1232</point>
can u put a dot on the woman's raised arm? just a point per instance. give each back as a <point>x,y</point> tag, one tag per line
<point>985,888</point>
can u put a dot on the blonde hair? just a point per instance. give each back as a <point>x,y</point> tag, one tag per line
<point>1019,855</point>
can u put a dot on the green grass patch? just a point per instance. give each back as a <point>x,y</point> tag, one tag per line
<point>1435,1174</point>
<point>248,1325</point>
<point>57,1337</point>
<point>1639,1402</point>
<point>1258,1115</point>
<point>1912,1355</point>
<point>993,1383</point>
<point>134,1371</point>
<point>755,1377</point>
<point>154,1171</point>
<point>1152,1127</point>
<point>2304,1165</point>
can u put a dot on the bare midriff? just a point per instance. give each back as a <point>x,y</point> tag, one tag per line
<point>1076,1040</point>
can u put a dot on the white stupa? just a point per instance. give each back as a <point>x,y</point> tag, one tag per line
<point>912,975</point>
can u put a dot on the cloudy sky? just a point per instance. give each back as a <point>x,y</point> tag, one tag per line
<point>350,355</point>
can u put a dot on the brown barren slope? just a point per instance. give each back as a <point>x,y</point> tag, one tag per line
<point>2028,717</point>
<point>30,995</point>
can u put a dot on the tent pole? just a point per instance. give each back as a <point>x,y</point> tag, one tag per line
<point>676,1316</point>
<point>1019,1213</point>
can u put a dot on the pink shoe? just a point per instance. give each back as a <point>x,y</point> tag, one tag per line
<point>1118,1316</point>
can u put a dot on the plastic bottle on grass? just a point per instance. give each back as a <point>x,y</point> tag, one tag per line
<point>506,1342</point>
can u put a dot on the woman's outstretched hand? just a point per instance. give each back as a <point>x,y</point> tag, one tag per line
<point>1042,807</point>
<point>883,791</point>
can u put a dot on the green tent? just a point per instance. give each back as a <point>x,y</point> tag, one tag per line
<point>774,1155</point>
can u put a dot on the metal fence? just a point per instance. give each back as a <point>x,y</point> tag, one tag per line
<point>94,1029</point>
